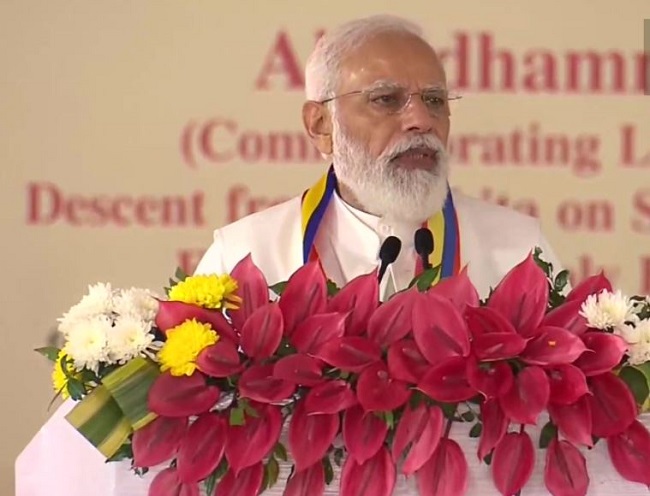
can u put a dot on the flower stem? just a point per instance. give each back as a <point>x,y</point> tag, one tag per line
<point>450,421</point>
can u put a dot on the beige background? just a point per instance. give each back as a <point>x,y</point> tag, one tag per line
<point>108,100</point>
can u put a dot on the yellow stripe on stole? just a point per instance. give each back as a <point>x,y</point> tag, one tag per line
<point>437,226</point>
<point>310,202</point>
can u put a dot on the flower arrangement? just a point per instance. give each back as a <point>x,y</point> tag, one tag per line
<point>203,381</point>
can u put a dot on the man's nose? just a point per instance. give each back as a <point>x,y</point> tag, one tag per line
<point>417,117</point>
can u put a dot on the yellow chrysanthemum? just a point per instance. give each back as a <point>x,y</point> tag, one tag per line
<point>207,291</point>
<point>183,345</point>
<point>59,378</point>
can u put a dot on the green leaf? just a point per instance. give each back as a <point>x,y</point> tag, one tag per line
<point>129,386</point>
<point>280,452</point>
<point>637,381</point>
<point>644,368</point>
<point>88,377</point>
<point>549,431</point>
<point>449,409</point>
<point>278,288</point>
<point>180,274</point>
<point>561,280</point>
<point>476,430</point>
<point>416,398</point>
<point>222,468</point>
<point>273,470</point>
<point>426,278</point>
<point>329,471</point>
<point>468,416</point>
<point>555,299</point>
<point>545,266</point>
<point>338,456</point>
<point>248,409</point>
<point>125,452</point>
<point>100,420</point>
<point>237,416</point>
<point>388,417</point>
<point>488,458</point>
<point>210,483</point>
<point>49,352</point>
<point>76,389</point>
<point>332,288</point>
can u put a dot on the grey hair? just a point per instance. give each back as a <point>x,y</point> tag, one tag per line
<point>322,68</point>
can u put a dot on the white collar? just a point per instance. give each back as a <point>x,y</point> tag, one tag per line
<point>349,240</point>
<point>380,226</point>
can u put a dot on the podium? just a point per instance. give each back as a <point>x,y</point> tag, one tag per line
<point>60,462</point>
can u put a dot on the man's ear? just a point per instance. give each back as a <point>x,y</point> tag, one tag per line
<point>318,124</point>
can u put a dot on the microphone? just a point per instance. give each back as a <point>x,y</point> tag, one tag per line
<point>424,245</point>
<point>388,253</point>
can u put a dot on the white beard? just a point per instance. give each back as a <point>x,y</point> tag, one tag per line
<point>385,190</point>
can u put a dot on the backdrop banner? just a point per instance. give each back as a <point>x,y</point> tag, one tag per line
<point>131,130</point>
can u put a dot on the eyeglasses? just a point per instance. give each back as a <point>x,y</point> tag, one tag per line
<point>395,100</point>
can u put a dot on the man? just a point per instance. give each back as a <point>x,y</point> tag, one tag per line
<point>378,108</point>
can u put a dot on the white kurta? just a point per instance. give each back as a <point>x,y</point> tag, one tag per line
<point>59,461</point>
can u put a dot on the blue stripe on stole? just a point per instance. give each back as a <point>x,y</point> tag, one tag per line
<point>315,217</point>
<point>451,254</point>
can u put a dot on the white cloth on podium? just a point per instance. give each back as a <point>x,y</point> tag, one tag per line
<point>60,462</point>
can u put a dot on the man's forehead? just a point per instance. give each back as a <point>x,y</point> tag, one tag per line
<point>401,61</point>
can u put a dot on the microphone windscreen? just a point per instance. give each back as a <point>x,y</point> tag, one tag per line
<point>423,241</point>
<point>390,249</point>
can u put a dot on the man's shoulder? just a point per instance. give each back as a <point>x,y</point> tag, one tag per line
<point>271,236</point>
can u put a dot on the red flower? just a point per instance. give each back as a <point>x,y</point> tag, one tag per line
<point>527,397</point>
<point>447,382</point>
<point>252,288</point>
<point>445,474</point>
<point>360,299</point>
<point>495,426</point>
<point>363,433</point>
<point>248,444</point>
<point>522,297</point>
<point>374,477</point>
<point>574,420</point>
<point>310,436</point>
<point>304,295</point>
<point>513,463</point>
<point>565,473</point>
<point>439,328</point>
<point>630,453</point>
<point>378,391</point>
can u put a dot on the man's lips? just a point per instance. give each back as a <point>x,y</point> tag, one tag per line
<point>417,158</point>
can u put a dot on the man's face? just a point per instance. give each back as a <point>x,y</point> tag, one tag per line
<point>389,150</point>
<point>384,64</point>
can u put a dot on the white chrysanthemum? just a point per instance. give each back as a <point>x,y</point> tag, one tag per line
<point>129,338</point>
<point>640,351</point>
<point>607,310</point>
<point>87,340</point>
<point>139,303</point>
<point>98,301</point>
<point>630,333</point>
